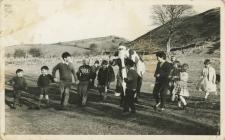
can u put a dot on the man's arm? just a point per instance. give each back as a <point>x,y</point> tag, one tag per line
<point>38,82</point>
<point>78,74</point>
<point>25,83</point>
<point>74,73</point>
<point>54,70</point>
<point>156,70</point>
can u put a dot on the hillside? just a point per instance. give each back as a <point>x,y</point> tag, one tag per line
<point>189,30</point>
<point>77,47</point>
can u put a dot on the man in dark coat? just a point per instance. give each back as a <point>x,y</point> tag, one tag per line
<point>162,80</point>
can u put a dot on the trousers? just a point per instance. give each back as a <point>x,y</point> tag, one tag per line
<point>83,91</point>
<point>129,100</point>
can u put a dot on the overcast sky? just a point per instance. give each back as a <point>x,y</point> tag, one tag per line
<point>48,21</point>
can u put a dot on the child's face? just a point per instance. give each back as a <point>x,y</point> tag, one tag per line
<point>20,74</point>
<point>44,71</point>
<point>184,69</point>
<point>68,59</point>
<point>96,64</point>
<point>173,59</point>
<point>206,65</point>
<point>104,66</point>
<point>159,59</point>
<point>175,65</point>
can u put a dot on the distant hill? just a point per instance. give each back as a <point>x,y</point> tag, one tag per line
<point>189,30</point>
<point>77,47</point>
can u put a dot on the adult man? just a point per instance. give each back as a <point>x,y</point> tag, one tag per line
<point>162,80</point>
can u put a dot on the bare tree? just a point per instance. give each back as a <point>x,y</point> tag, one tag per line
<point>169,15</point>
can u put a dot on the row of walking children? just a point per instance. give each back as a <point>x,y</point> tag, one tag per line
<point>85,74</point>
<point>178,82</point>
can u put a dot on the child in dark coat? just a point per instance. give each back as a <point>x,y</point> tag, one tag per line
<point>111,75</point>
<point>43,83</point>
<point>84,74</point>
<point>94,70</point>
<point>103,79</point>
<point>131,87</point>
<point>19,84</point>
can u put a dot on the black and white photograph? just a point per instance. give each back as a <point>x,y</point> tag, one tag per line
<point>111,67</point>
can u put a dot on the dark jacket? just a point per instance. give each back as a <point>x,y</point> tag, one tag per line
<point>19,83</point>
<point>174,74</point>
<point>103,76</point>
<point>131,79</point>
<point>65,72</point>
<point>163,71</point>
<point>84,73</point>
<point>106,75</point>
<point>118,63</point>
<point>44,80</point>
<point>111,74</point>
<point>94,70</point>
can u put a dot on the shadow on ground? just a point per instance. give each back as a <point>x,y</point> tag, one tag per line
<point>171,122</point>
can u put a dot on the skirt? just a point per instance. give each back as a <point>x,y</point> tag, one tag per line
<point>206,85</point>
<point>180,88</point>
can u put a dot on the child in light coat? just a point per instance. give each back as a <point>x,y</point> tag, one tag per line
<point>207,81</point>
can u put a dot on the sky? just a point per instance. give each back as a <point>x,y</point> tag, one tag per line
<point>48,21</point>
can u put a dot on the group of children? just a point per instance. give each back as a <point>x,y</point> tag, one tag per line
<point>86,76</point>
<point>173,78</point>
<point>170,77</point>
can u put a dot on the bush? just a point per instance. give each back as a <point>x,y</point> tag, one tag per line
<point>35,52</point>
<point>87,53</point>
<point>93,48</point>
<point>76,53</point>
<point>19,53</point>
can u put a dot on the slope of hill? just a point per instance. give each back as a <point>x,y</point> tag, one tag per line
<point>78,47</point>
<point>189,30</point>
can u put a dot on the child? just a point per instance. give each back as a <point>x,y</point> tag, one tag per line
<point>111,75</point>
<point>19,84</point>
<point>43,83</point>
<point>94,69</point>
<point>66,71</point>
<point>181,89</point>
<point>103,79</point>
<point>174,77</point>
<point>84,76</point>
<point>131,87</point>
<point>208,79</point>
<point>172,59</point>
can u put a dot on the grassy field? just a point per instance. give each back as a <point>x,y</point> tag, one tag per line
<point>200,118</point>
